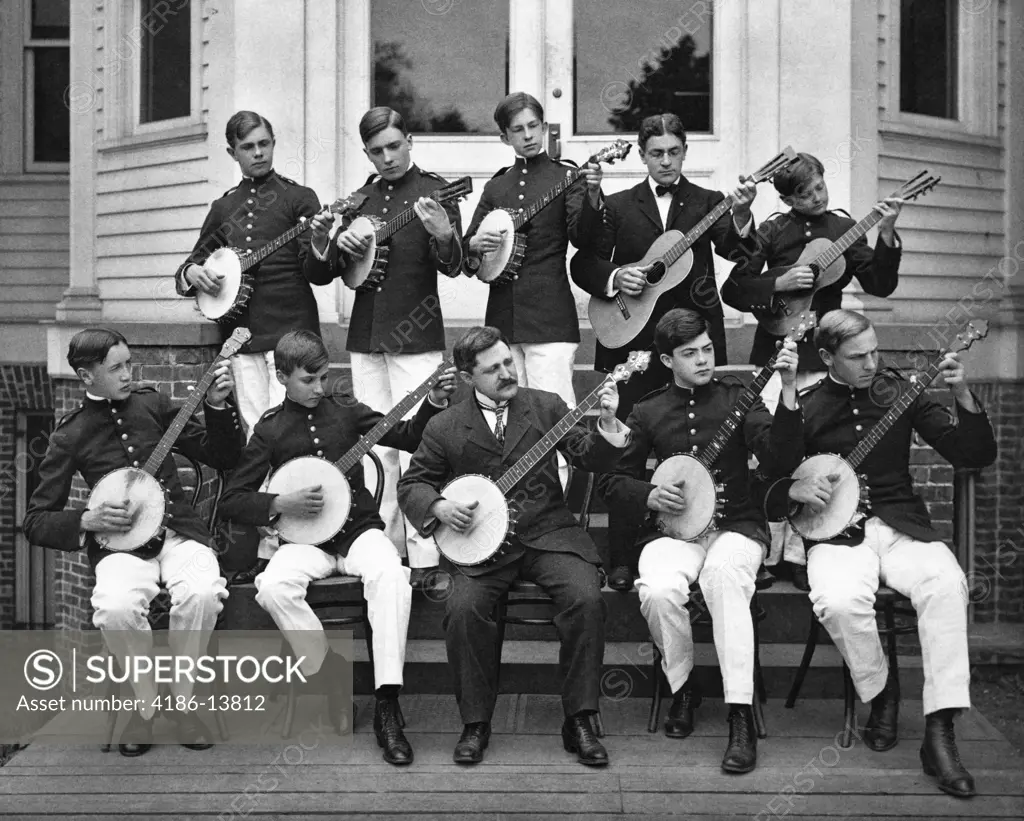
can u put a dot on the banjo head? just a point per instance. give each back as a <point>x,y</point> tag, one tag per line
<point>146,506</point>
<point>700,493</point>
<point>493,264</point>
<point>358,270</point>
<point>309,471</point>
<point>226,262</point>
<point>491,523</point>
<point>842,508</point>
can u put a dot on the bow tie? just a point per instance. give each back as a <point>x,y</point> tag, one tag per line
<point>661,190</point>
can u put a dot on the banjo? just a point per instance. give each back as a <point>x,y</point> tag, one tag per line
<point>146,496</point>
<point>826,260</point>
<point>501,266</point>
<point>493,520</point>
<point>849,501</point>
<point>235,265</point>
<point>699,486</point>
<point>309,471</point>
<point>668,262</point>
<point>367,273</point>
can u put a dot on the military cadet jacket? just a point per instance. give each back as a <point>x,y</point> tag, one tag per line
<point>837,417</point>
<point>247,217</point>
<point>329,430</point>
<point>404,315</point>
<point>674,420</point>
<point>103,436</point>
<point>779,242</point>
<point>622,233</point>
<point>539,306</point>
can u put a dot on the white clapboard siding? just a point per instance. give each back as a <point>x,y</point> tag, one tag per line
<point>33,247</point>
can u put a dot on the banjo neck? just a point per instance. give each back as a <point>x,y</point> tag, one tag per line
<point>355,454</point>
<point>256,257</point>
<point>519,220</point>
<point>394,225</point>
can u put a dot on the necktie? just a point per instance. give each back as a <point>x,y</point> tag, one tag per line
<point>661,190</point>
<point>499,425</point>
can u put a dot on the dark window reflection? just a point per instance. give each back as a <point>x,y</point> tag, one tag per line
<point>928,46</point>
<point>639,58</point>
<point>166,61</point>
<point>50,19</point>
<point>442,64</point>
<point>51,138</point>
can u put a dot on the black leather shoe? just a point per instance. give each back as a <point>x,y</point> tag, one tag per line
<point>881,730</point>
<point>249,576</point>
<point>940,757</point>
<point>387,725</point>
<point>800,581</point>
<point>679,723</point>
<point>741,754</point>
<point>137,737</point>
<point>621,579</point>
<point>193,734</point>
<point>472,743</point>
<point>578,737</point>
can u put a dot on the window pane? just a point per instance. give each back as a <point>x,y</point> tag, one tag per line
<point>442,65</point>
<point>640,58</point>
<point>51,126</point>
<point>50,19</point>
<point>928,49</point>
<point>166,61</point>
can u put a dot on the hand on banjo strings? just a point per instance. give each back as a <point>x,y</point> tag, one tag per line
<point>787,361</point>
<point>222,385</point>
<point>457,515</point>
<point>631,280</point>
<point>307,503</point>
<point>668,498</point>
<point>815,491</point>
<point>445,387</point>
<point>354,243</point>
<point>434,218</point>
<point>203,280</point>
<point>486,242</point>
<point>109,517</point>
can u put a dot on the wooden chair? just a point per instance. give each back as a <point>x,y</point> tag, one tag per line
<point>523,594</point>
<point>190,475</point>
<point>344,595</point>
<point>890,604</point>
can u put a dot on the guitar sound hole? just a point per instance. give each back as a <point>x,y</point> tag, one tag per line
<point>815,270</point>
<point>656,273</point>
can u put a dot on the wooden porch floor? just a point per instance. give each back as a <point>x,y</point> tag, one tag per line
<point>526,774</point>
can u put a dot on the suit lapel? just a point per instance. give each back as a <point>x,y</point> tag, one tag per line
<point>476,426</point>
<point>647,206</point>
<point>517,424</point>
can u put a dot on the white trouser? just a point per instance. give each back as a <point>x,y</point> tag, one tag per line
<point>381,381</point>
<point>281,591</point>
<point>726,564</point>
<point>125,586</point>
<point>844,580</point>
<point>257,391</point>
<point>786,543</point>
<point>548,366</point>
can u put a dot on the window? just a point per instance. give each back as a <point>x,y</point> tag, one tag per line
<point>928,58</point>
<point>47,78</point>
<point>442,66</point>
<point>165,60</point>
<point>639,58</point>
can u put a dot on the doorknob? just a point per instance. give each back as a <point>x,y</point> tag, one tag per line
<point>554,141</point>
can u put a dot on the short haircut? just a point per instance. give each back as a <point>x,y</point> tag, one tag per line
<point>677,327</point>
<point>90,347</point>
<point>300,349</point>
<point>474,342</point>
<point>658,125</point>
<point>380,119</point>
<point>241,123</point>
<point>795,176</point>
<point>837,326</point>
<point>514,103</point>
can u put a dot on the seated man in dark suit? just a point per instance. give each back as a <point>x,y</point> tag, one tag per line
<point>487,436</point>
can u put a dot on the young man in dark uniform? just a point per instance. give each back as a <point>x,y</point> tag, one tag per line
<point>487,435</point>
<point>896,544</point>
<point>684,417</point>
<point>621,233</point>
<point>536,312</point>
<point>118,427</point>
<point>255,212</point>
<point>779,242</point>
<point>306,425</point>
<point>396,332</point>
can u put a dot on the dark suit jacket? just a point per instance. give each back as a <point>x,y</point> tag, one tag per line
<point>459,441</point>
<point>102,436</point>
<point>623,231</point>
